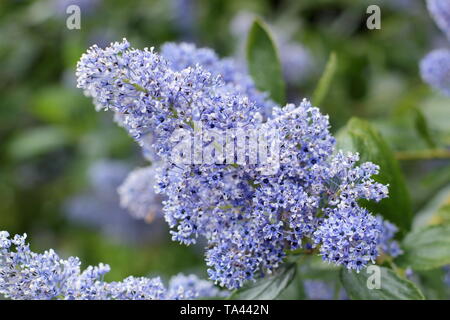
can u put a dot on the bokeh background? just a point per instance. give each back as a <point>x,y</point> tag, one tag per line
<point>61,161</point>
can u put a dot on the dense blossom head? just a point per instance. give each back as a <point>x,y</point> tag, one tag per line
<point>435,70</point>
<point>289,187</point>
<point>349,236</point>
<point>25,274</point>
<point>440,11</point>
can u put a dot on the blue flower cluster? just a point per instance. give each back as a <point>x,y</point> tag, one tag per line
<point>28,275</point>
<point>435,70</point>
<point>435,66</point>
<point>302,195</point>
<point>235,78</point>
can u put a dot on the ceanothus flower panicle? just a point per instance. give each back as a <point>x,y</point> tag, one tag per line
<point>189,287</point>
<point>25,274</point>
<point>295,192</point>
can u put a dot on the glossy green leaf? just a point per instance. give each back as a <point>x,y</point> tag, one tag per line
<point>360,136</point>
<point>325,80</point>
<point>426,248</point>
<point>264,63</point>
<point>392,286</point>
<point>269,287</point>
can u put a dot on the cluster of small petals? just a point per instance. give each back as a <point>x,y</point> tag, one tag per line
<point>245,251</point>
<point>148,96</point>
<point>440,11</point>
<point>250,213</point>
<point>349,237</point>
<point>26,275</point>
<point>435,70</point>
<point>137,194</point>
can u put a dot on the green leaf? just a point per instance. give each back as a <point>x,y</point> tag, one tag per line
<point>426,248</point>
<point>269,287</point>
<point>360,136</point>
<point>325,80</point>
<point>392,286</point>
<point>264,63</point>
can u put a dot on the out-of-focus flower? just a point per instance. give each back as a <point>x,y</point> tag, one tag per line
<point>184,16</point>
<point>435,70</point>
<point>440,11</point>
<point>138,196</point>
